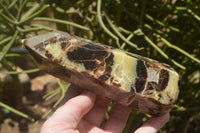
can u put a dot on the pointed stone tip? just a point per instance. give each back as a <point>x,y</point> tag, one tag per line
<point>24,41</point>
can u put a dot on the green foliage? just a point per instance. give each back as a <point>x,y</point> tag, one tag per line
<point>167,31</point>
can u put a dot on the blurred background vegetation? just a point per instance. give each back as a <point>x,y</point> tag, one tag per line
<point>164,30</point>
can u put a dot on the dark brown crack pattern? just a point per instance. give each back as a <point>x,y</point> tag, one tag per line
<point>141,76</point>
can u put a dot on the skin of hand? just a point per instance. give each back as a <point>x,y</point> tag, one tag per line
<point>85,112</point>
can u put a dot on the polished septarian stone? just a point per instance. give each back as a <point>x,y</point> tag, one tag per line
<point>141,83</point>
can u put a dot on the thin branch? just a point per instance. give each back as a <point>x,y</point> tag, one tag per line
<point>16,111</point>
<point>65,11</point>
<point>161,23</point>
<point>21,7</point>
<point>33,29</point>
<point>178,49</point>
<point>16,55</point>
<point>173,46</point>
<point>7,11</point>
<point>12,4</point>
<point>24,20</point>
<point>7,18</point>
<point>7,47</point>
<point>153,29</point>
<point>193,14</point>
<point>124,30</point>
<point>33,10</point>
<point>25,71</point>
<point>8,26</point>
<point>103,25</point>
<point>130,36</point>
<point>42,27</point>
<point>62,89</point>
<point>61,21</point>
<point>119,34</point>
<point>161,52</point>
<point>5,40</point>
<point>189,11</point>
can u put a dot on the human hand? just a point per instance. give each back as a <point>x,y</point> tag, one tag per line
<point>84,114</point>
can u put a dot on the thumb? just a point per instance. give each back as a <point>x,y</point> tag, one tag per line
<point>68,116</point>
